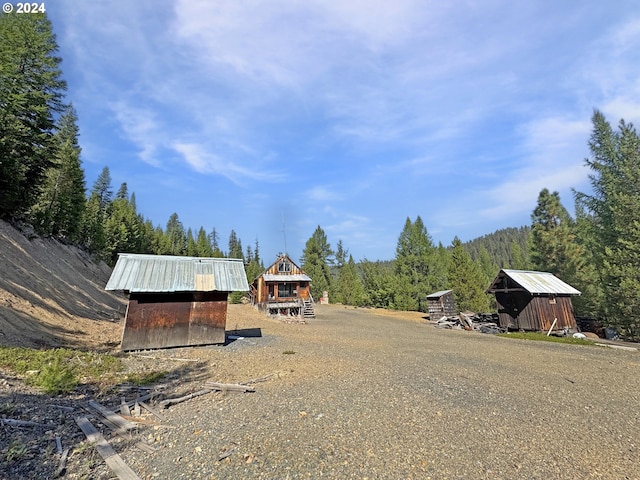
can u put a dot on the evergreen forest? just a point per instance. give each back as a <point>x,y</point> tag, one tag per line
<point>43,184</point>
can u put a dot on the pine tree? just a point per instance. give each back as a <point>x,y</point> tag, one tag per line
<point>489,269</point>
<point>96,213</point>
<point>349,289</point>
<point>379,283</point>
<point>203,246</point>
<point>192,251</point>
<point>31,93</point>
<point>123,229</point>
<point>214,240</point>
<point>61,203</point>
<point>614,210</point>
<point>467,280</point>
<point>315,260</point>
<point>418,267</point>
<point>235,246</point>
<point>254,266</point>
<point>174,240</point>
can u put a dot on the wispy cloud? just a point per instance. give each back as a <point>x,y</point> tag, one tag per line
<point>352,114</point>
<point>202,161</point>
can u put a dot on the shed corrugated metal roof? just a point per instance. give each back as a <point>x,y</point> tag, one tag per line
<point>163,273</point>
<point>536,283</point>
<point>438,294</point>
<point>274,277</point>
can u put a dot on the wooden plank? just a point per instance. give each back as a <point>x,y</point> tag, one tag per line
<point>151,410</point>
<point>229,387</point>
<point>172,401</point>
<point>113,418</point>
<point>124,408</point>
<point>106,451</point>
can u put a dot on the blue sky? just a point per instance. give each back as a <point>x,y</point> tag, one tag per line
<point>348,114</point>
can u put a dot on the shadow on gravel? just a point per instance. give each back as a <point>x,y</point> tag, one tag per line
<point>240,334</point>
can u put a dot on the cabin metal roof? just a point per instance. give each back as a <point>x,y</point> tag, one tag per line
<point>164,273</point>
<point>536,283</point>
<point>439,294</point>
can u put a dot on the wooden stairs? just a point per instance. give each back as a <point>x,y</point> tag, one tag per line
<point>307,308</point>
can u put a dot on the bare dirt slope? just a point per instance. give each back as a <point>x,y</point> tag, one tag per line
<point>53,294</point>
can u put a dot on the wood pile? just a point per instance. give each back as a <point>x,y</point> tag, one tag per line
<point>480,322</point>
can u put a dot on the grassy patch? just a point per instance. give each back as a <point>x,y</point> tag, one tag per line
<point>60,370</point>
<point>541,337</point>
<point>145,378</point>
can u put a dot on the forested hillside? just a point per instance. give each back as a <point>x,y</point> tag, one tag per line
<point>506,248</point>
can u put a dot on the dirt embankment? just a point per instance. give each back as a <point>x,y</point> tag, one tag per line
<point>53,294</point>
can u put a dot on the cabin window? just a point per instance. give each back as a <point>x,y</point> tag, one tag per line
<point>284,267</point>
<point>285,290</point>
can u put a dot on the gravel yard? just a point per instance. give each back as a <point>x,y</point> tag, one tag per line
<point>360,394</point>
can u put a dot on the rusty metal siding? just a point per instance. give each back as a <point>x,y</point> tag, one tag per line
<point>174,320</point>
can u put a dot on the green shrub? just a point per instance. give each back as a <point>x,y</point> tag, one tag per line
<point>55,377</point>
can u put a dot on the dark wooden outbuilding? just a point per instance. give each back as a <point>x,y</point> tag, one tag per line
<point>441,304</point>
<point>533,301</point>
<point>283,289</point>
<point>175,301</point>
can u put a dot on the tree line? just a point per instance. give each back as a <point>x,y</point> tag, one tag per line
<point>597,251</point>
<point>42,181</point>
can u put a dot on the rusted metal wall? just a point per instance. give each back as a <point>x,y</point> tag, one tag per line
<point>522,311</point>
<point>174,320</point>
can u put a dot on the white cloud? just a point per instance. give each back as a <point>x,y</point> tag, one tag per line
<point>202,161</point>
<point>139,126</point>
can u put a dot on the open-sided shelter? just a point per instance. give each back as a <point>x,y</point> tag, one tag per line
<point>533,301</point>
<point>441,304</point>
<point>175,301</point>
<point>283,289</point>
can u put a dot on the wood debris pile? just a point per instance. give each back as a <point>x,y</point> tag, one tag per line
<point>106,427</point>
<point>481,322</point>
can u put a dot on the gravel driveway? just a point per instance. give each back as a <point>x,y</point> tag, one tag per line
<point>371,396</point>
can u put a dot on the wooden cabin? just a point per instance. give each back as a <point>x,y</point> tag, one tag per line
<point>533,301</point>
<point>441,304</point>
<point>283,289</point>
<point>175,301</point>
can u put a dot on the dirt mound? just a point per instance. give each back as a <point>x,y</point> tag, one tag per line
<point>52,295</point>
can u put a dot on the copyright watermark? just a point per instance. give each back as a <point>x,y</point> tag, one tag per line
<point>33,7</point>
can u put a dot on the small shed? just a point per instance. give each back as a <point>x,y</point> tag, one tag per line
<point>175,301</point>
<point>283,289</point>
<point>441,304</point>
<point>533,301</point>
